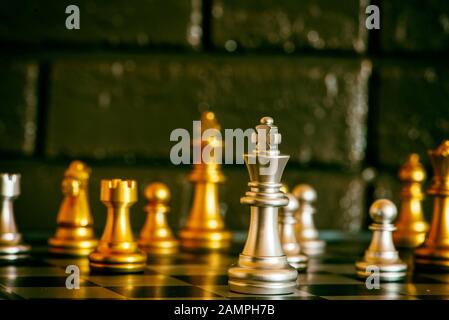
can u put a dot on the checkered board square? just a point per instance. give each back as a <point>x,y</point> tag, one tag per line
<point>197,276</point>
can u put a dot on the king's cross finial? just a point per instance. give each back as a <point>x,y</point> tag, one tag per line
<point>267,138</point>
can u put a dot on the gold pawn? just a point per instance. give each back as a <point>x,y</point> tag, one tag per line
<point>156,236</point>
<point>434,253</point>
<point>411,227</point>
<point>205,229</point>
<point>117,251</point>
<point>74,234</point>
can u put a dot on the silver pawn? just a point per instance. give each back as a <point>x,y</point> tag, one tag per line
<point>11,246</point>
<point>381,255</point>
<point>306,232</point>
<point>262,267</point>
<point>289,243</point>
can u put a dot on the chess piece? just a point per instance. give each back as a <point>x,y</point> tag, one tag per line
<point>434,253</point>
<point>262,267</point>
<point>156,236</point>
<point>306,233</point>
<point>11,246</point>
<point>117,251</point>
<point>74,235</point>
<point>411,227</point>
<point>287,222</point>
<point>205,229</point>
<point>381,254</point>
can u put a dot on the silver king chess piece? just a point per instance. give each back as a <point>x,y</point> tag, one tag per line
<point>263,267</point>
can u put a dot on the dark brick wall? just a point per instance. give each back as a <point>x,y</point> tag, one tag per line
<point>350,103</point>
<point>288,25</point>
<point>115,23</point>
<point>18,112</point>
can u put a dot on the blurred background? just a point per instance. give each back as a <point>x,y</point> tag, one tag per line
<point>351,103</point>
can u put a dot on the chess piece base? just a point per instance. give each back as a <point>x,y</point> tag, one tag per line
<point>71,247</point>
<point>205,239</point>
<point>117,262</point>
<point>431,264</point>
<point>264,276</point>
<point>162,247</point>
<point>313,247</point>
<point>432,258</point>
<point>14,252</point>
<point>298,261</point>
<point>410,240</point>
<point>394,271</point>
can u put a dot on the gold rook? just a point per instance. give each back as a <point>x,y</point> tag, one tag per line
<point>117,251</point>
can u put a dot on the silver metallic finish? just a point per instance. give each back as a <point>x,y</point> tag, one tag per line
<point>381,254</point>
<point>11,246</point>
<point>289,243</point>
<point>262,267</point>
<point>306,232</point>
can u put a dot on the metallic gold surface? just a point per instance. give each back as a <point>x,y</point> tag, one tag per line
<point>11,246</point>
<point>306,233</point>
<point>287,222</point>
<point>411,227</point>
<point>434,253</point>
<point>205,229</point>
<point>156,236</point>
<point>381,253</point>
<point>117,251</point>
<point>262,267</point>
<point>74,234</point>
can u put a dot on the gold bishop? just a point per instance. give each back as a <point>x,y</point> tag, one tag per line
<point>411,228</point>
<point>434,254</point>
<point>205,229</point>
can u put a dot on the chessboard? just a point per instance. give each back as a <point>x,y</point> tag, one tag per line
<point>203,276</point>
